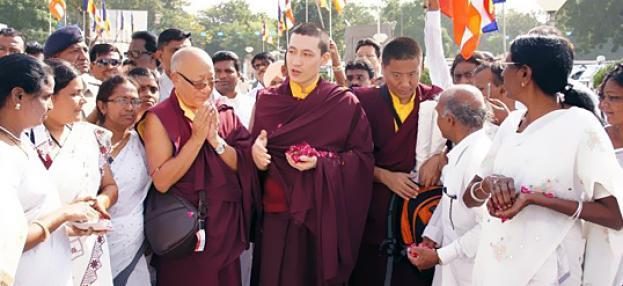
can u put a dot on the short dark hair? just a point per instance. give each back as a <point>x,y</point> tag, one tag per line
<point>172,34</point>
<point>24,71</point>
<point>401,48</point>
<point>369,42</point>
<point>34,48</point>
<point>309,29</point>
<point>141,71</point>
<point>10,32</point>
<point>63,71</point>
<point>477,58</point>
<point>496,71</point>
<point>360,64</point>
<point>100,49</point>
<point>222,56</point>
<point>615,74</point>
<point>264,56</point>
<point>106,90</point>
<point>149,38</point>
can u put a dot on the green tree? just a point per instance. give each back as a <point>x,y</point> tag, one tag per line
<point>28,16</point>
<point>231,26</point>
<point>593,24</point>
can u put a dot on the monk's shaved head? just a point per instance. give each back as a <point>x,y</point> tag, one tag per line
<point>191,58</point>
<point>465,103</point>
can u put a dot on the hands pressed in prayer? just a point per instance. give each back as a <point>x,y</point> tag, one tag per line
<point>500,110</point>
<point>261,158</point>
<point>422,257</point>
<point>201,123</point>
<point>213,125</point>
<point>401,184</point>
<point>430,171</point>
<point>305,162</point>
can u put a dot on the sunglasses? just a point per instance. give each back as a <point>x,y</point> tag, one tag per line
<point>108,62</point>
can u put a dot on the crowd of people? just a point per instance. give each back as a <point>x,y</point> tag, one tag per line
<point>164,165</point>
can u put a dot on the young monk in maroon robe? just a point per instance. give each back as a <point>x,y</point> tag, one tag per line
<point>392,110</point>
<point>194,146</point>
<point>315,198</point>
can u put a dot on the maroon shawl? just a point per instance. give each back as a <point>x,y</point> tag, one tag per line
<point>393,151</point>
<point>229,194</point>
<point>331,200</point>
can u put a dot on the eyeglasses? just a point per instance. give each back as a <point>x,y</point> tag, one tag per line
<point>126,101</point>
<point>199,85</point>
<point>108,62</point>
<point>148,88</point>
<point>505,65</point>
<point>137,54</point>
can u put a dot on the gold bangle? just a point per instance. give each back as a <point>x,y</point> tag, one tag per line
<point>46,230</point>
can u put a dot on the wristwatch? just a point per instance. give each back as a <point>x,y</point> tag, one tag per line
<point>220,149</point>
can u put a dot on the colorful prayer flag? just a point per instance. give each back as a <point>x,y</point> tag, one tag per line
<point>57,9</point>
<point>470,19</point>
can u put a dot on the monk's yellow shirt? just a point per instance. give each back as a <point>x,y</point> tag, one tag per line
<point>188,112</point>
<point>301,92</point>
<point>403,110</point>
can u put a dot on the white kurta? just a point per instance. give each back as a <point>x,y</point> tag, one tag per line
<point>126,237</point>
<point>48,263</point>
<point>567,153</point>
<point>429,139</point>
<point>243,106</point>
<point>166,86</point>
<point>76,172</point>
<point>435,59</point>
<point>458,227</point>
<point>12,220</point>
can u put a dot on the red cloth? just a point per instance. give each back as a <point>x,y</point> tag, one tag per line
<point>393,151</point>
<point>229,197</point>
<point>332,200</point>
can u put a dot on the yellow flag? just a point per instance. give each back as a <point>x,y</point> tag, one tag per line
<point>339,5</point>
<point>323,4</point>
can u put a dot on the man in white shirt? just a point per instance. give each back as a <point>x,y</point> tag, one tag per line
<point>227,73</point>
<point>462,112</point>
<point>169,41</point>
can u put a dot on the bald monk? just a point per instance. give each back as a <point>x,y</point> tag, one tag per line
<point>401,116</point>
<point>314,205</point>
<point>193,146</point>
<point>462,114</point>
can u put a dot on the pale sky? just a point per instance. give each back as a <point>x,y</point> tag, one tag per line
<point>270,6</point>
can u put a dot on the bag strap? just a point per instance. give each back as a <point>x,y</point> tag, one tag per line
<point>202,210</point>
<point>122,278</point>
<point>386,96</point>
<point>389,245</point>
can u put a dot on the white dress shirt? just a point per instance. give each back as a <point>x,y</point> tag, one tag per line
<point>454,226</point>
<point>166,86</point>
<point>435,59</point>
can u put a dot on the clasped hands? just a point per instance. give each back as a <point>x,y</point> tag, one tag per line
<point>504,201</point>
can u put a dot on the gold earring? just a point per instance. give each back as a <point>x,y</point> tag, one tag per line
<point>18,106</point>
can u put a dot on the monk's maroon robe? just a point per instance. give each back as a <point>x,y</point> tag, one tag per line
<point>229,197</point>
<point>312,236</point>
<point>393,151</point>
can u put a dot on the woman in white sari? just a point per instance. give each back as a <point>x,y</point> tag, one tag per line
<point>611,104</point>
<point>77,156</point>
<point>31,215</point>
<point>118,104</point>
<point>548,169</point>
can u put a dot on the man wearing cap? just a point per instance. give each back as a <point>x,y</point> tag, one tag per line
<point>68,44</point>
<point>169,41</point>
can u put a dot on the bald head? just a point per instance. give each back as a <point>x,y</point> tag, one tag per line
<point>191,59</point>
<point>466,104</point>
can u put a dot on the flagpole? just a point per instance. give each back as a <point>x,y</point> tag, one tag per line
<point>306,10</point>
<point>50,23</point>
<point>320,14</point>
<point>504,26</point>
<point>330,19</point>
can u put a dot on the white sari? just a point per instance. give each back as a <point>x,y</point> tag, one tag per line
<point>12,219</point>
<point>49,262</point>
<point>567,153</point>
<point>126,237</point>
<point>77,171</point>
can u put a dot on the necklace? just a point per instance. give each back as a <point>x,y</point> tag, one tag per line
<point>13,138</point>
